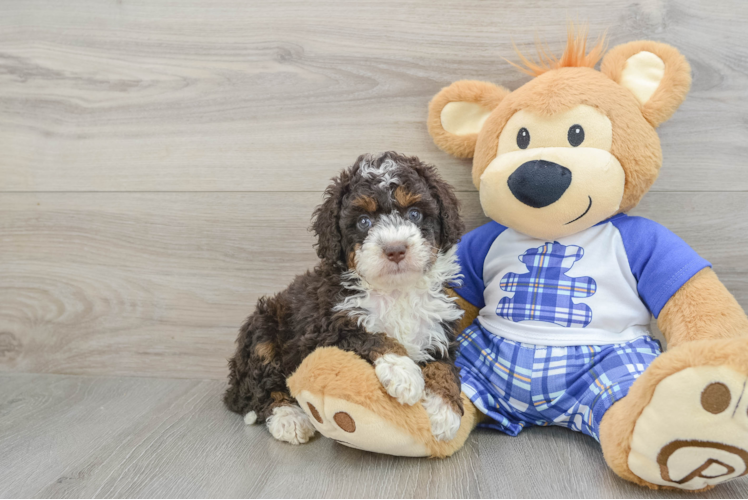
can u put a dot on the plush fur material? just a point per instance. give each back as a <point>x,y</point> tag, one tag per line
<point>640,85</point>
<point>575,54</point>
<point>704,325</point>
<point>332,375</point>
<point>683,423</point>
<point>702,309</point>
<point>486,95</point>
<point>617,427</point>
<point>673,88</point>
<point>386,233</point>
<point>635,143</point>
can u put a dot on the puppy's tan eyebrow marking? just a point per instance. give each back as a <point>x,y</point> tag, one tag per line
<point>366,202</point>
<point>266,351</point>
<point>405,198</point>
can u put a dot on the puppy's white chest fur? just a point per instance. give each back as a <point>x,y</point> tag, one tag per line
<point>412,315</point>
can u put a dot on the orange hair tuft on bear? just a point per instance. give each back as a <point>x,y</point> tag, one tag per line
<point>575,54</point>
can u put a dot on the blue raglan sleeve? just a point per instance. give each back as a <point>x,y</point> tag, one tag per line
<point>471,255</point>
<point>660,261</point>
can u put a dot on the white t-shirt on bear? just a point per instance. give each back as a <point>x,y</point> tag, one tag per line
<point>596,287</point>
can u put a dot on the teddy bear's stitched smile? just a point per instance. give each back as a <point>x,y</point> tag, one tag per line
<point>585,212</point>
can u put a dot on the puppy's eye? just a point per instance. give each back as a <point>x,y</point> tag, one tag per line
<point>414,215</point>
<point>575,135</point>
<point>364,223</point>
<point>523,138</point>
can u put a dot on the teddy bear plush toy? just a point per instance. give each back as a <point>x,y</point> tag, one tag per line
<point>559,288</point>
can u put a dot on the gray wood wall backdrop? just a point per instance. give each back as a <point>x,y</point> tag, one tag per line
<point>160,159</point>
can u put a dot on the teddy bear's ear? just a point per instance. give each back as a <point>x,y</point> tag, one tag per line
<point>457,113</point>
<point>656,73</point>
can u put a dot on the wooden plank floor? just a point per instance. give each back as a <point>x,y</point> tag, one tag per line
<point>142,437</point>
<point>159,162</point>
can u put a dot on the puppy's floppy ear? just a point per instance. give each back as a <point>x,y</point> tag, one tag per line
<point>452,226</point>
<point>326,220</point>
<point>656,73</point>
<point>457,113</point>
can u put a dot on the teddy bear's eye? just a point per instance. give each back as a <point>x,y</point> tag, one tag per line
<point>575,135</point>
<point>523,138</point>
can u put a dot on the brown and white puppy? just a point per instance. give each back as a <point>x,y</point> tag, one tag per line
<point>386,234</point>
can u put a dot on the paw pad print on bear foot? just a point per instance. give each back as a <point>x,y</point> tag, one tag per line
<point>344,420</point>
<point>354,426</point>
<point>694,431</point>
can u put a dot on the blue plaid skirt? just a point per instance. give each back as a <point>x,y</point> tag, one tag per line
<point>520,385</point>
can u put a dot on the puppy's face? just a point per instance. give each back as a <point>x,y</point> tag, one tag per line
<point>390,225</point>
<point>395,215</point>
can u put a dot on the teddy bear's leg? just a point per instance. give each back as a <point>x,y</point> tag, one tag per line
<point>346,402</point>
<point>684,422</point>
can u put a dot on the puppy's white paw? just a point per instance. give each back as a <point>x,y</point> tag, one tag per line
<point>401,378</point>
<point>290,424</point>
<point>250,418</point>
<point>445,422</point>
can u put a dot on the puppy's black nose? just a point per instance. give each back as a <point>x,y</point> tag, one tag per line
<point>539,183</point>
<point>395,253</point>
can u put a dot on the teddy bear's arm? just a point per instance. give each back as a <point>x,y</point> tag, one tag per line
<point>471,312</point>
<point>702,309</point>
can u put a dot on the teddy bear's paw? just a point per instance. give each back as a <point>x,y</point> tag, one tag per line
<point>694,432</point>
<point>445,422</point>
<point>290,424</point>
<point>401,377</point>
<point>356,426</point>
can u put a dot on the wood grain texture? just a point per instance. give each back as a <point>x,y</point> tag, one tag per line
<point>159,163</point>
<point>66,436</point>
<point>158,283</point>
<point>186,95</point>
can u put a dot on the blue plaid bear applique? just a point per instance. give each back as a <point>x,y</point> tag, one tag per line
<point>545,292</point>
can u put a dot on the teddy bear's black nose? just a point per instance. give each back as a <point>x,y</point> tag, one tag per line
<point>538,183</point>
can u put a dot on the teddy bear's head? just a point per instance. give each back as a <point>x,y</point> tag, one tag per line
<point>571,147</point>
